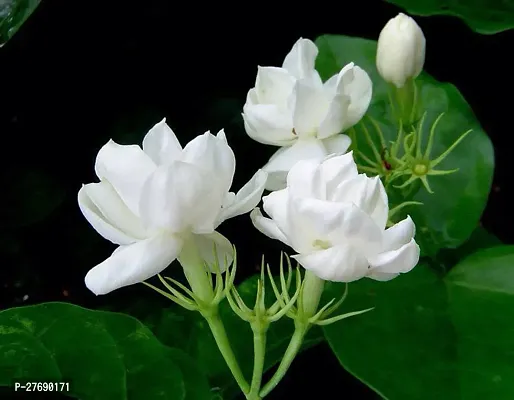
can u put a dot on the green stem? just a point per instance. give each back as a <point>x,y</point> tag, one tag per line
<point>292,350</point>
<point>259,349</point>
<point>371,144</point>
<point>406,96</point>
<point>196,273</point>
<point>221,338</point>
<point>201,284</point>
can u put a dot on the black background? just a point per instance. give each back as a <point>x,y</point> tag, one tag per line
<point>80,73</point>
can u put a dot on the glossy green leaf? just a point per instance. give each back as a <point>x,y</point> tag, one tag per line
<point>29,196</point>
<point>481,300</point>
<point>13,13</point>
<point>103,355</point>
<point>433,338</point>
<point>188,331</point>
<point>449,216</point>
<point>403,349</point>
<point>479,239</point>
<point>483,16</point>
<point>195,382</point>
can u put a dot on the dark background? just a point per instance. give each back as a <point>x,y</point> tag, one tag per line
<point>80,73</point>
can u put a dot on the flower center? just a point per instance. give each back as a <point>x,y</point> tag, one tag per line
<point>420,169</point>
<point>321,244</point>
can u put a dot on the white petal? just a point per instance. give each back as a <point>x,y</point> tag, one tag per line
<point>399,234</point>
<point>267,226</point>
<point>224,250</point>
<point>126,168</point>
<point>161,144</point>
<point>337,169</point>
<point>268,124</point>
<point>338,264</point>
<point>181,197</point>
<point>378,204</point>
<point>247,198</point>
<point>313,220</point>
<point>301,59</point>
<point>213,155</point>
<point>395,261</point>
<point>229,199</point>
<point>310,106</point>
<point>337,144</point>
<point>381,276</point>
<point>310,221</point>
<point>330,86</point>
<point>366,193</point>
<point>336,117</point>
<point>133,263</point>
<point>305,179</point>
<point>276,180</point>
<point>273,85</point>
<point>251,97</point>
<point>345,78</point>
<point>276,204</point>
<point>222,136</point>
<point>360,91</point>
<point>284,159</point>
<point>107,213</point>
<point>351,190</point>
<point>353,82</point>
<point>98,221</point>
<point>335,85</point>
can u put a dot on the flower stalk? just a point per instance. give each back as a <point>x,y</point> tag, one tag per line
<point>205,297</point>
<point>260,316</point>
<point>197,275</point>
<point>259,346</point>
<point>305,315</point>
<point>295,344</point>
<point>407,103</point>
<point>220,336</point>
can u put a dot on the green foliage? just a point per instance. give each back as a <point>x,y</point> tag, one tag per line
<point>483,16</point>
<point>103,355</point>
<point>13,13</point>
<point>433,337</point>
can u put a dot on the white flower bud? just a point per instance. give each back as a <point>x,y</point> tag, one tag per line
<point>401,50</point>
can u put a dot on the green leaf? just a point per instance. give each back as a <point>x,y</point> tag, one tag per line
<point>189,331</point>
<point>433,338</point>
<point>448,217</point>
<point>13,13</point>
<point>29,196</point>
<point>479,239</point>
<point>196,383</point>
<point>103,355</point>
<point>481,294</point>
<point>483,16</point>
<point>403,349</point>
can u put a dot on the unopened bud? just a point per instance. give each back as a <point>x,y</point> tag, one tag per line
<point>401,50</point>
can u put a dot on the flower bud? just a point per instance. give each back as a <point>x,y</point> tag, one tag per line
<point>401,50</point>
